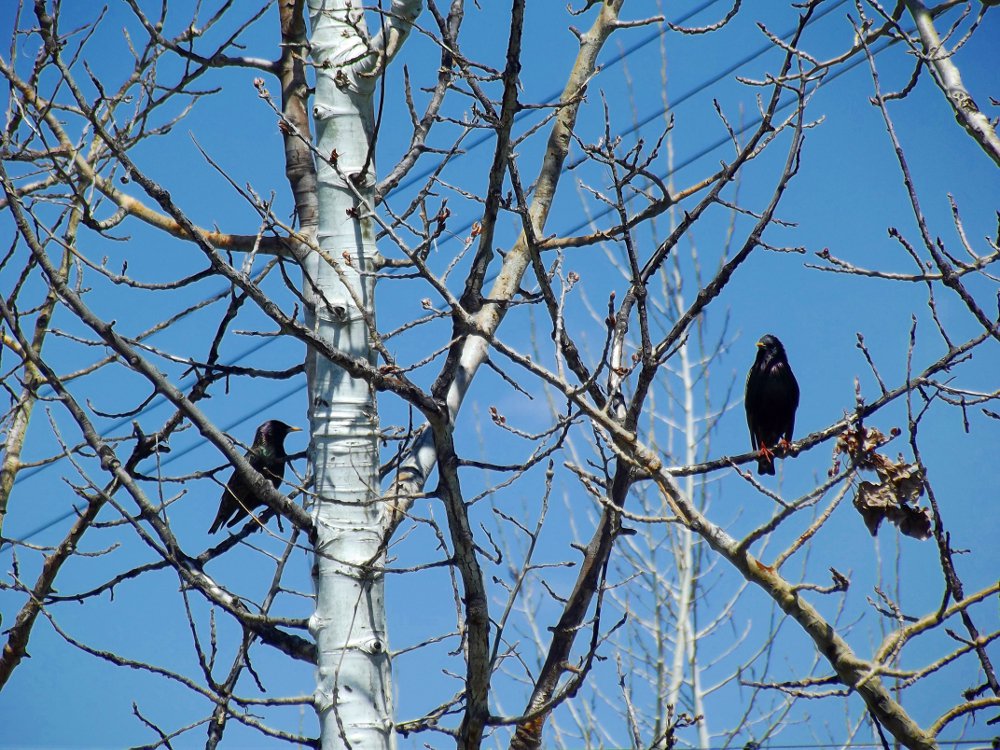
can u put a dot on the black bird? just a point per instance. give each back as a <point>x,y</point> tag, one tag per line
<point>771,400</point>
<point>266,455</point>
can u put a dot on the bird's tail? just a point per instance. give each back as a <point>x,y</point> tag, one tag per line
<point>765,465</point>
<point>217,523</point>
<point>225,511</point>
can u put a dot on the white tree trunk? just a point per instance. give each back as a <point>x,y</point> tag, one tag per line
<point>353,695</point>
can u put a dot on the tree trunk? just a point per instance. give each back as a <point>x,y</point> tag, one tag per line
<point>353,696</point>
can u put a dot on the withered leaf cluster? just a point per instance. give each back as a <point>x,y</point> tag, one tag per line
<point>900,484</point>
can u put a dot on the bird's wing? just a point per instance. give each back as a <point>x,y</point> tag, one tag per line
<point>750,402</point>
<point>243,504</point>
<point>228,504</point>
<point>793,390</point>
<point>235,497</point>
<point>274,470</point>
<point>752,425</point>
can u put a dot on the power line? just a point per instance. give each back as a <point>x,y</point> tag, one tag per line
<point>172,456</point>
<point>695,90</point>
<point>153,404</point>
<point>631,129</point>
<point>686,96</point>
<point>414,177</point>
<point>739,131</point>
<point>553,97</point>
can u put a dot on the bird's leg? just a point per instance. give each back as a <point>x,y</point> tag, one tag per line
<point>785,446</point>
<point>766,452</point>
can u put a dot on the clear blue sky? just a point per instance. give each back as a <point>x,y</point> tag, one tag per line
<point>846,195</point>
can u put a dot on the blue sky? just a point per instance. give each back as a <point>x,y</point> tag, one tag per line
<point>846,195</point>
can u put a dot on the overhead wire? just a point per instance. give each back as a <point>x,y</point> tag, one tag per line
<point>620,57</point>
<point>412,179</point>
<point>674,103</point>
<point>750,124</point>
<point>165,460</point>
<point>419,175</point>
<point>155,402</point>
<point>553,97</point>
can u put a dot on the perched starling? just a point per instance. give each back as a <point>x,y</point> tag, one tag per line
<point>266,455</point>
<point>771,400</point>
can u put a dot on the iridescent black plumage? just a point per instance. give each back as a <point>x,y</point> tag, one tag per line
<point>772,396</point>
<point>266,455</point>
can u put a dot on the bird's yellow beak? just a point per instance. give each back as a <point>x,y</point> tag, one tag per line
<point>760,343</point>
<point>295,429</point>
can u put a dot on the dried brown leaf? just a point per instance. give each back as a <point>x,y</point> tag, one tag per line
<point>900,484</point>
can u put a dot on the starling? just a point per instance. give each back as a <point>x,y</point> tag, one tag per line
<point>771,400</point>
<point>266,455</point>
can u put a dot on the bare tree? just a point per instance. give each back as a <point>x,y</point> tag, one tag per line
<point>581,547</point>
